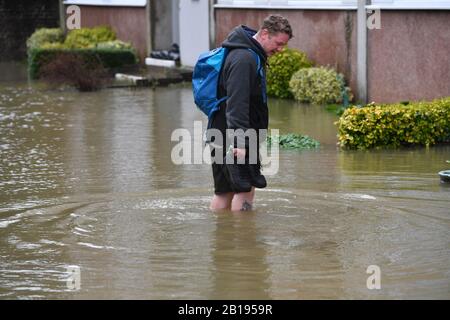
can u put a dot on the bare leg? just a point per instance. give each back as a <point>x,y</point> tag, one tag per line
<point>221,201</point>
<point>243,201</point>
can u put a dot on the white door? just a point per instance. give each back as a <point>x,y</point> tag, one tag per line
<point>194,30</point>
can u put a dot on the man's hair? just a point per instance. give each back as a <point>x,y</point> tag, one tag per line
<point>276,24</point>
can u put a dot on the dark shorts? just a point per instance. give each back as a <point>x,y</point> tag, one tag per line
<point>221,184</point>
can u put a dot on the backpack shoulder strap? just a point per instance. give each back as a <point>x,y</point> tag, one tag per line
<point>258,61</point>
<point>260,72</point>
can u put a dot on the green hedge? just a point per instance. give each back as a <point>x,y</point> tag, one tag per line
<point>281,68</point>
<point>394,125</point>
<point>110,58</point>
<point>98,43</point>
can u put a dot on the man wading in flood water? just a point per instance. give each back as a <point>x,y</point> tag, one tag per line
<point>245,108</point>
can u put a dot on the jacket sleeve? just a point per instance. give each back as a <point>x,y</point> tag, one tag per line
<point>240,77</point>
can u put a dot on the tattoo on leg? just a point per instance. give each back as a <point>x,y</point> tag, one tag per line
<point>246,206</point>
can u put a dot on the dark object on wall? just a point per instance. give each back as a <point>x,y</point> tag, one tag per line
<point>172,54</point>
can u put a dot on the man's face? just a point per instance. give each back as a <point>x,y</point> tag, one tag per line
<point>273,43</point>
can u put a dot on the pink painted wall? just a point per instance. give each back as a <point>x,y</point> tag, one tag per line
<point>409,57</point>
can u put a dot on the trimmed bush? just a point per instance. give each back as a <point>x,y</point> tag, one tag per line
<point>86,73</point>
<point>110,58</point>
<point>318,86</point>
<point>81,60</point>
<point>394,125</point>
<point>281,68</point>
<point>89,37</point>
<point>45,36</point>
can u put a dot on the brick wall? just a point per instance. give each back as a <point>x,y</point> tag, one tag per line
<point>19,19</point>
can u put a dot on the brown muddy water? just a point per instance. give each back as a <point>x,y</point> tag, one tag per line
<point>92,207</point>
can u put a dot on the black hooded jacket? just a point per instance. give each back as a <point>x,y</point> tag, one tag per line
<point>245,107</point>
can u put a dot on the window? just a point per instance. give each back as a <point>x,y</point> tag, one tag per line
<point>300,4</point>
<point>411,4</point>
<point>124,3</point>
<point>335,4</point>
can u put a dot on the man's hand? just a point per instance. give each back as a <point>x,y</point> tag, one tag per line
<point>239,153</point>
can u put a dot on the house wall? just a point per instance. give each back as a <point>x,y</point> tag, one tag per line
<point>129,23</point>
<point>408,58</point>
<point>19,19</point>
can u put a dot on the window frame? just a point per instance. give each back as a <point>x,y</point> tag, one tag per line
<point>108,3</point>
<point>335,4</point>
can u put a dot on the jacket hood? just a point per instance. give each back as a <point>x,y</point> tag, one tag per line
<point>242,37</point>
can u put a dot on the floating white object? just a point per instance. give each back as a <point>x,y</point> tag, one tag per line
<point>160,62</point>
<point>123,76</point>
<point>358,196</point>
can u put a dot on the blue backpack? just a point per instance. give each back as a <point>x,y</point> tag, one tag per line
<point>205,79</point>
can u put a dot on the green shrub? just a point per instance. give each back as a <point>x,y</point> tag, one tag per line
<point>318,85</point>
<point>86,44</point>
<point>281,67</point>
<point>294,141</point>
<point>394,125</point>
<point>110,58</point>
<point>89,37</point>
<point>45,36</point>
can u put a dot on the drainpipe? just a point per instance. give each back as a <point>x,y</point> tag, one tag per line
<point>148,31</point>
<point>62,16</point>
<point>212,25</point>
<point>361,53</point>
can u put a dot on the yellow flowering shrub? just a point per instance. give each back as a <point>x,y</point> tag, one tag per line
<point>89,37</point>
<point>394,125</point>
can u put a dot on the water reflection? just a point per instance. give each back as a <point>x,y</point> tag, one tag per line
<point>389,171</point>
<point>173,109</point>
<point>239,259</point>
<point>14,71</point>
<point>315,121</point>
<point>31,131</point>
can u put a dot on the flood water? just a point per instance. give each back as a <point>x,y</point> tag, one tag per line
<point>87,184</point>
